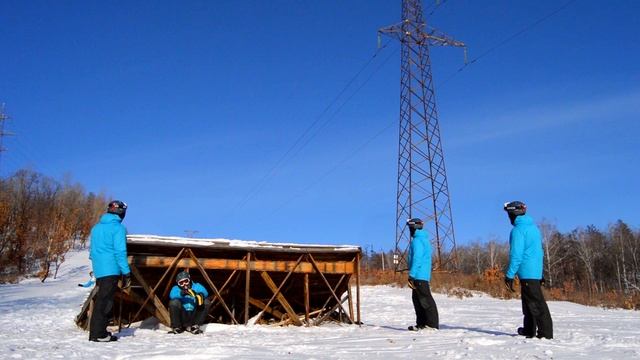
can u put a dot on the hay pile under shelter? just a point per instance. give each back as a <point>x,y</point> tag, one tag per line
<point>248,281</point>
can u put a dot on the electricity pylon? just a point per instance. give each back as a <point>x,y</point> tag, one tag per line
<point>3,118</point>
<point>422,180</point>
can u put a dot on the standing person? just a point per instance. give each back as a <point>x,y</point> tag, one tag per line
<point>188,305</point>
<point>109,259</point>
<point>525,260</point>
<point>419,261</point>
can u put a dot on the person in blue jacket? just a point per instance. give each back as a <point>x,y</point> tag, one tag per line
<point>90,282</point>
<point>188,305</point>
<point>419,261</point>
<point>525,261</point>
<point>108,254</point>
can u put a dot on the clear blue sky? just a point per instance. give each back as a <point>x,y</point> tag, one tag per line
<point>182,108</point>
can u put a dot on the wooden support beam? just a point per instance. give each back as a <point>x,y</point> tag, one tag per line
<point>329,285</point>
<point>281,299</point>
<point>162,311</point>
<point>350,297</point>
<point>212,285</point>
<point>335,288</point>
<point>135,298</point>
<point>246,289</point>
<point>327,267</point>
<point>323,317</point>
<point>306,298</point>
<point>281,284</point>
<point>357,262</point>
<point>264,307</point>
<point>174,261</point>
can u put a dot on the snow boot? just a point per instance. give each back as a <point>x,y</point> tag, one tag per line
<point>107,338</point>
<point>195,329</point>
<point>521,332</point>
<point>415,328</point>
<point>176,331</point>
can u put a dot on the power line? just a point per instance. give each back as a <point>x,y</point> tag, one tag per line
<point>380,132</point>
<point>509,39</point>
<point>343,161</point>
<point>262,182</point>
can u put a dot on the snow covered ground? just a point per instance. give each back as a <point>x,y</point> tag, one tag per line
<point>36,321</point>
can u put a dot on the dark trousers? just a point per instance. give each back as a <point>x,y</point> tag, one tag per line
<point>425,306</point>
<point>535,310</point>
<point>181,318</point>
<point>103,306</point>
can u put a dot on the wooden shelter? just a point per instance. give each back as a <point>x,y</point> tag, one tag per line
<point>248,282</point>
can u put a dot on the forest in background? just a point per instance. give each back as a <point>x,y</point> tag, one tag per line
<point>41,219</point>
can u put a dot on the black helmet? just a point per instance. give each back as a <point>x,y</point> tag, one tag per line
<point>182,275</point>
<point>117,207</point>
<point>415,223</point>
<point>515,208</point>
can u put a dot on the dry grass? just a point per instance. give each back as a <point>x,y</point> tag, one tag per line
<point>492,283</point>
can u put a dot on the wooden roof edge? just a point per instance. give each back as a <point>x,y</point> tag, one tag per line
<point>236,244</point>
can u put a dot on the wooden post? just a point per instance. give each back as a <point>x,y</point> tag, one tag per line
<point>153,291</point>
<point>246,288</point>
<point>164,314</point>
<point>212,285</point>
<point>281,299</point>
<point>313,262</point>
<point>350,298</point>
<point>357,261</point>
<point>280,287</point>
<point>306,298</point>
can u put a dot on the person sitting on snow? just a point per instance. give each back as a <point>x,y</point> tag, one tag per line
<point>188,305</point>
<point>89,282</point>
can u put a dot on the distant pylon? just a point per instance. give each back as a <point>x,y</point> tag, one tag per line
<point>3,118</point>
<point>422,180</point>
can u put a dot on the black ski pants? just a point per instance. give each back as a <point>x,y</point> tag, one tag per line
<point>535,310</point>
<point>103,306</point>
<point>181,318</point>
<point>425,306</point>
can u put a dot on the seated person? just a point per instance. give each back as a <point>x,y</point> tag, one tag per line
<point>188,305</point>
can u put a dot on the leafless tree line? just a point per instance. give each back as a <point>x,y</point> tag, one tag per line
<point>586,258</point>
<point>40,220</point>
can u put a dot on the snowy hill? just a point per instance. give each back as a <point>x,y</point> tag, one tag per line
<point>37,322</point>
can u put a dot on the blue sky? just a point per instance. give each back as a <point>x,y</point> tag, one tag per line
<point>185,110</point>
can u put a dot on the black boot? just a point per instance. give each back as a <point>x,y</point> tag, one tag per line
<point>107,338</point>
<point>521,332</point>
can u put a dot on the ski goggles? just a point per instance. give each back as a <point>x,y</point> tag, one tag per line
<point>184,282</point>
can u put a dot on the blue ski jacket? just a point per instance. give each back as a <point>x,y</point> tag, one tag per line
<point>188,301</point>
<point>525,253</point>
<point>108,251</point>
<point>419,256</point>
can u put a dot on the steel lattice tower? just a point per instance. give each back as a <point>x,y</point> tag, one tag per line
<point>422,179</point>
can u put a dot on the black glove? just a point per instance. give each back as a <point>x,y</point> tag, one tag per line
<point>508,282</point>
<point>411,284</point>
<point>81,285</point>
<point>126,281</point>
<point>542,281</point>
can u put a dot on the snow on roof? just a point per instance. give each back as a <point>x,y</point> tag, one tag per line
<point>239,244</point>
